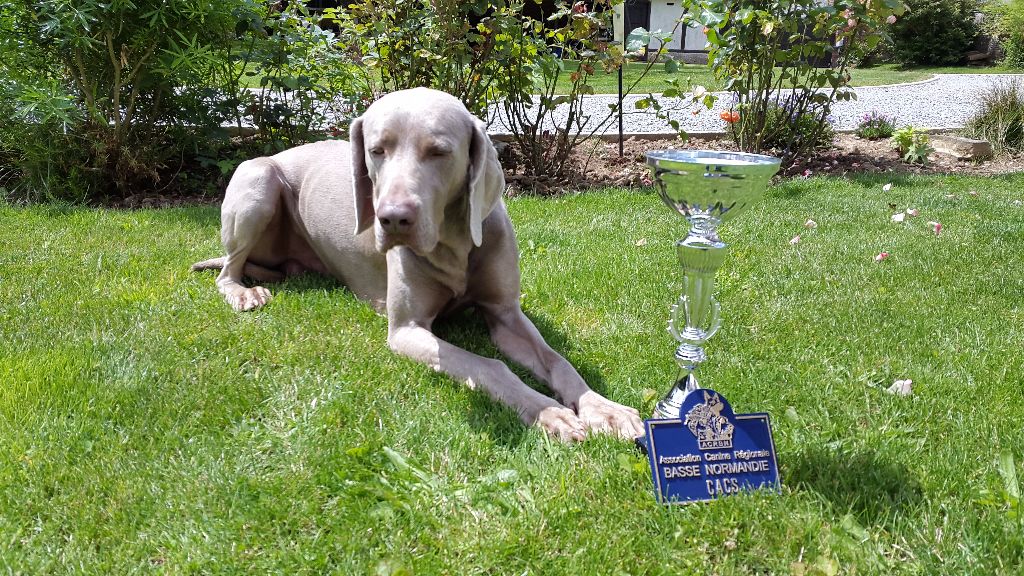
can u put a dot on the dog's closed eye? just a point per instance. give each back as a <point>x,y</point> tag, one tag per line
<point>438,151</point>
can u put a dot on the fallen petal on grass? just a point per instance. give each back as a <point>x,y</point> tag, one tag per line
<point>913,212</point>
<point>936,227</point>
<point>973,193</point>
<point>810,224</point>
<point>881,256</point>
<point>901,387</point>
<point>887,187</point>
<point>950,196</point>
<point>899,217</point>
<point>794,240</point>
<point>641,242</point>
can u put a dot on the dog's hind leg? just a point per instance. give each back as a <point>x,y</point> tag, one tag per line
<point>250,216</point>
<point>254,271</point>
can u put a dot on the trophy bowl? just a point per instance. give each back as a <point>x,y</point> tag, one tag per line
<point>706,187</point>
<point>711,185</point>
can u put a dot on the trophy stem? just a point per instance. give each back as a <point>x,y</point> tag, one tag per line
<point>695,317</point>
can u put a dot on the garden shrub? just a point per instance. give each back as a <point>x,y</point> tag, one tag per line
<point>1000,119</point>
<point>935,32</point>
<point>762,48</point>
<point>544,104</point>
<point>112,98</point>
<point>308,80</point>
<point>492,53</point>
<point>456,47</point>
<point>103,96</point>
<point>1005,20</point>
<point>785,123</point>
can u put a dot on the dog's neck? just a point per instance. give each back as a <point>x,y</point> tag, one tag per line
<point>450,258</point>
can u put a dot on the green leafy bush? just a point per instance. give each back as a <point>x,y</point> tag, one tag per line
<point>456,47</point>
<point>307,78</point>
<point>491,53</point>
<point>785,124</point>
<point>554,61</point>
<point>103,97</point>
<point>1000,119</point>
<point>912,145</point>
<point>1005,21</point>
<point>875,126</point>
<point>112,98</point>
<point>935,32</point>
<point>762,48</point>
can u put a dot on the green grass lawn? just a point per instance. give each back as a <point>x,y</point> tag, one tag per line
<point>147,428</point>
<point>693,75</point>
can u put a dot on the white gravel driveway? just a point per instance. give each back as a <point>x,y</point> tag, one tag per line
<point>945,101</point>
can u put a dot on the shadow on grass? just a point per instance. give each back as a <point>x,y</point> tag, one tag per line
<point>468,330</point>
<point>868,485</point>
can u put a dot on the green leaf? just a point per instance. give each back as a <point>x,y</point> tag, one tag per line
<point>671,66</point>
<point>791,415</point>
<point>854,529</point>
<point>637,40</point>
<point>1008,470</point>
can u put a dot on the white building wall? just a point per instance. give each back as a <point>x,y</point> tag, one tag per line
<point>663,20</point>
<point>663,17</point>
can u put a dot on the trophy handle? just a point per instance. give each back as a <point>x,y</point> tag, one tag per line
<point>673,320</point>
<point>714,324</point>
<point>716,318</point>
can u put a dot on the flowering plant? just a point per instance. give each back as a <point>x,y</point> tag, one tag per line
<point>874,126</point>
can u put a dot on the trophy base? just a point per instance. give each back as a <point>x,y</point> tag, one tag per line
<point>669,406</point>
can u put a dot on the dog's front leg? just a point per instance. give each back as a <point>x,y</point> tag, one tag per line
<point>517,337</point>
<point>491,376</point>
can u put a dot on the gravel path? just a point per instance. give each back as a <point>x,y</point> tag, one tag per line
<point>943,102</point>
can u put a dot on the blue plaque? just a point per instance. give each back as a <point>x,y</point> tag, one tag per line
<point>709,451</point>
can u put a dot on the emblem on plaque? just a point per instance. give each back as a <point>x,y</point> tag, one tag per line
<point>707,424</point>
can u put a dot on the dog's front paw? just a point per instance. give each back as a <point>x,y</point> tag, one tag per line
<point>248,298</point>
<point>561,423</point>
<point>604,416</point>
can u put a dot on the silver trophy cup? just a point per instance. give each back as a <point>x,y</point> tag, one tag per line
<point>707,188</point>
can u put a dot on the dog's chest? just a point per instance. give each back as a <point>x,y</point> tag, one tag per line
<point>450,269</point>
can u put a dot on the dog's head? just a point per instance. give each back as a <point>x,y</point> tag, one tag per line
<point>422,164</point>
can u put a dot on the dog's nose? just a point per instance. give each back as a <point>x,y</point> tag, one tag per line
<point>397,217</point>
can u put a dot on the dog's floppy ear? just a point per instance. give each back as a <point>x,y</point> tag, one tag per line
<point>486,180</point>
<point>362,187</point>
